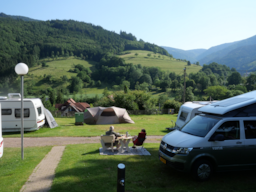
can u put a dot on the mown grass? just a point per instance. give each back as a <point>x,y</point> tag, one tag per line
<point>154,125</point>
<point>60,67</point>
<point>83,169</point>
<point>14,172</point>
<point>164,62</point>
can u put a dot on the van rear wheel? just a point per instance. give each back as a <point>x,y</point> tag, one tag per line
<point>202,170</point>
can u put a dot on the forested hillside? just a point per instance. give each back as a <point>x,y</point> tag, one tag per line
<point>17,17</point>
<point>29,41</point>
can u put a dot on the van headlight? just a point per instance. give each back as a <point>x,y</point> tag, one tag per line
<point>181,150</point>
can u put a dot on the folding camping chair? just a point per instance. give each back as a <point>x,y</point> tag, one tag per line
<point>107,141</point>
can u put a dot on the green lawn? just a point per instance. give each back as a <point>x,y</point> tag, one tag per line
<point>154,125</point>
<point>14,172</point>
<point>164,62</point>
<point>83,169</point>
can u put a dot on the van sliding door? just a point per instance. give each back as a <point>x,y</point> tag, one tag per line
<point>229,152</point>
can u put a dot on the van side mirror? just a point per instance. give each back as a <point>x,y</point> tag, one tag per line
<point>218,137</point>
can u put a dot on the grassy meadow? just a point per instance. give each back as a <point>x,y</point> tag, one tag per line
<point>59,67</point>
<point>164,62</point>
<point>154,125</point>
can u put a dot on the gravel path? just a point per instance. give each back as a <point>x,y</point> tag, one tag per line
<point>60,141</point>
<point>41,178</point>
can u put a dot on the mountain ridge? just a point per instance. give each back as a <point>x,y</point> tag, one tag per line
<point>17,17</point>
<point>238,54</point>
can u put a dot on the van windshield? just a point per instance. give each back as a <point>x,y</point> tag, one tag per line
<point>199,126</point>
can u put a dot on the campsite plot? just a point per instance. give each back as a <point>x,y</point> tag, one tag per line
<point>83,169</point>
<point>14,171</point>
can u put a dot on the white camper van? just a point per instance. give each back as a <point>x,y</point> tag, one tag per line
<point>1,138</point>
<point>222,138</point>
<point>34,116</point>
<point>187,111</point>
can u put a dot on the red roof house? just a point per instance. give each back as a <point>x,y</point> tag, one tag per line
<point>71,106</point>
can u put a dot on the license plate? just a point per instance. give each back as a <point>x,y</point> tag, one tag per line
<point>163,160</point>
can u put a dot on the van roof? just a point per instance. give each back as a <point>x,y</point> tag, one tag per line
<point>192,105</point>
<point>230,104</point>
<point>196,104</point>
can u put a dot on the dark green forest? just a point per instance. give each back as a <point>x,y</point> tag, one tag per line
<point>29,41</point>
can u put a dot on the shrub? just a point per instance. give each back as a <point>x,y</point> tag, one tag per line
<point>172,104</point>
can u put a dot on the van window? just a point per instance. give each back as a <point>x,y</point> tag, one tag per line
<point>6,111</point>
<point>199,125</point>
<point>250,129</point>
<point>26,113</point>
<point>39,110</point>
<point>183,116</point>
<point>230,130</point>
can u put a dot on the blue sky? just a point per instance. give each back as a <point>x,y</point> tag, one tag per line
<point>182,24</point>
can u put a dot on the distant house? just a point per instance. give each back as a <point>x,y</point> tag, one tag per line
<point>70,107</point>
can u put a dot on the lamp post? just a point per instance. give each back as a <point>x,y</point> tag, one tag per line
<point>21,69</point>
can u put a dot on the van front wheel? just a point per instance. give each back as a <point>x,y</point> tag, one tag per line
<point>202,170</point>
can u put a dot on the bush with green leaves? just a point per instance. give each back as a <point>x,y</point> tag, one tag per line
<point>105,101</point>
<point>218,92</point>
<point>172,104</point>
<point>132,100</point>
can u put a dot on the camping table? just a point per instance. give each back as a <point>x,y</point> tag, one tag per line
<point>124,143</point>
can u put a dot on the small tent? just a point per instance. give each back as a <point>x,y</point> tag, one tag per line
<point>106,115</point>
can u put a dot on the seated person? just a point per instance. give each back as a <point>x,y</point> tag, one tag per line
<point>138,140</point>
<point>111,132</point>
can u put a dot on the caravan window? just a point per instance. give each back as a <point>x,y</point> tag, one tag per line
<point>6,111</point>
<point>183,116</point>
<point>39,110</point>
<point>26,113</point>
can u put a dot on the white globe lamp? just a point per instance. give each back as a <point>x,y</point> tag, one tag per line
<point>21,69</point>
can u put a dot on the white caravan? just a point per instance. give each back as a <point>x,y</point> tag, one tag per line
<point>1,138</point>
<point>34,116</point>
<point>189,110</point>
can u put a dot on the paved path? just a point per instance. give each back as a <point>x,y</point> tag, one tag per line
<point>41,178</point>
<point>59,141</point>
